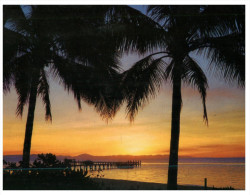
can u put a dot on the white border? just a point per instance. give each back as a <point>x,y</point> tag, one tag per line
<point>138,2</point>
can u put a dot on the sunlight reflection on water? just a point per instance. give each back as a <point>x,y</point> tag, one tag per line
<point>217,174</point>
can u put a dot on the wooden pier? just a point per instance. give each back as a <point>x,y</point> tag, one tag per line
<point>90,165</point>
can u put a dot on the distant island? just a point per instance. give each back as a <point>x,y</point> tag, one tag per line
<point>143,158</point>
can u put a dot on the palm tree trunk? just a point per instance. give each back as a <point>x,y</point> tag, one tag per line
<point>29,124</point>
<point>175,131</point>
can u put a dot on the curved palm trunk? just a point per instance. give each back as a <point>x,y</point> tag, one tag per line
<point>29,124</point>
<point>175,131</point>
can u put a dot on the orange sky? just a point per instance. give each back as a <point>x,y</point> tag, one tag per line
<point>73,132</point>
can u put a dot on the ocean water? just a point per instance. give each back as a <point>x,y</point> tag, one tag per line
<point>217,174</point>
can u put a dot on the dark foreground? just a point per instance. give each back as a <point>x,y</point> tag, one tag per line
<point>113,184</point>
<point>48,180</point>
<point>76,181</point>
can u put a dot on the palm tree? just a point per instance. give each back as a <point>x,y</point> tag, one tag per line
<point>216,32</point>
<point>65,41</point>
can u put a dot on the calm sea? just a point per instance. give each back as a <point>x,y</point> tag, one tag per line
<point>217,174</point>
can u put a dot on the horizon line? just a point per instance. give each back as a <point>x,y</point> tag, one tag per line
<point>121,155</point>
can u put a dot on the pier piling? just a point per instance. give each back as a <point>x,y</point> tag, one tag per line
<point>82,165</point>
<point>205,183</point>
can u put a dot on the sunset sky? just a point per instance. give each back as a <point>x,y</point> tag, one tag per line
<point>73,132</point>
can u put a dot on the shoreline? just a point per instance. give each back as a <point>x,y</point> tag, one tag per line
<point>115,184</point>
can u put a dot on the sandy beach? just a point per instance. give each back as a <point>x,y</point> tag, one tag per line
<point>113,184</point>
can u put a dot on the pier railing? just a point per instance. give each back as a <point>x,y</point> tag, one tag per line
<point>72,164</point>
<point>90,165</point>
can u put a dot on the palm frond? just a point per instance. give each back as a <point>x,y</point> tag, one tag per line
<point>133,31</point>
<point>22,77</point>
<point>90,48</point>
<point>14,19</point>
<point>227,56</point>
<point>194,76</point>
<point>43,90</point>
<point>168,74</point>
<point>142,82</point>
<point>13,13</point>
<point>12,43</point>
<point>97,87</point>
<point>76,33</point>
<point>23,95</point>
<point>218,20</point>
<point>170,15</point>
<point>22,86</point>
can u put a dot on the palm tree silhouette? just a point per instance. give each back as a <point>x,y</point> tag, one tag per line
<point>216,32</point>
<point>62,40</point>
